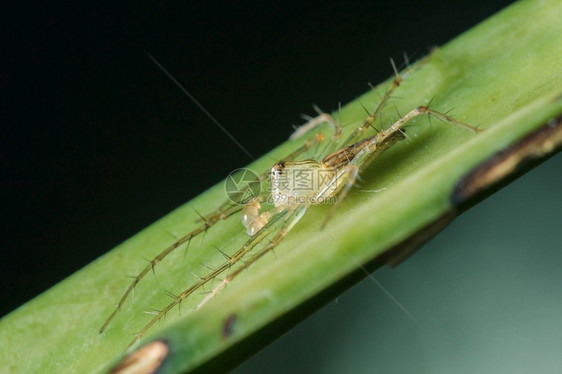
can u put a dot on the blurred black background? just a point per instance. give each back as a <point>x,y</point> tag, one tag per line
<point>98,143</point>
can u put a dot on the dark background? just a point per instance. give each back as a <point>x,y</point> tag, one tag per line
<point>98,143</point>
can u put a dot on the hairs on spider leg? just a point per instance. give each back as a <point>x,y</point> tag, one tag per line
<point>186,248</point>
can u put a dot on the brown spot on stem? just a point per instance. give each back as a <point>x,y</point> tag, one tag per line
<point>506,165</point>
<point>228,326</point>
<point>144,360</point>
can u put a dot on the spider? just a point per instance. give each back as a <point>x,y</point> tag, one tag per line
<point>320,180</point>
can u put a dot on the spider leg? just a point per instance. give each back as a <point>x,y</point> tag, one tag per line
<point>314,122</point>
<point>294,217</point>
<point>208,222</point>
<point>348,161</point>
<point>349,174</point>
<point>420,110</point>
<point>358,133</point>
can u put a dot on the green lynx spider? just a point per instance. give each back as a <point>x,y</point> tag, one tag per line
<point>332,176</point>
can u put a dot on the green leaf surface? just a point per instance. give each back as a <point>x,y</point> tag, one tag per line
<point>504,75</point>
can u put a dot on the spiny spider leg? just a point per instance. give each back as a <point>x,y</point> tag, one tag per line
<point>237,256</point>
<point>371,116</point>
<point>209,221</point>
<point>295,215</point>
<point>315,122</point>
<point>356,157</point>
<point>350,173</point>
